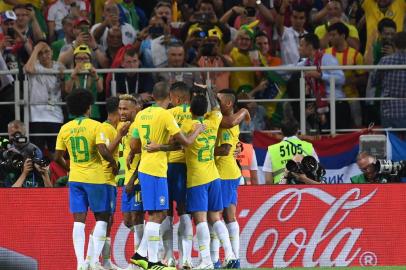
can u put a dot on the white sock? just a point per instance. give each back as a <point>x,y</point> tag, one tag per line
<point>187,237</point>
<point>222,234</point>
<point>166,231</point>
<point>152,231</point>
<point>181,228</point>
<point>203,240</point>
<point>138,232</point>
<point>214,245</point>
<point>143,246</point>
<point>234,231</point>
<point>78,236</point>
<point>106,250</point>
<point>89,252</point>
<point>99,238</point>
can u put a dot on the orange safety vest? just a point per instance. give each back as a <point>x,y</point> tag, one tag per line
<point>245,160</point>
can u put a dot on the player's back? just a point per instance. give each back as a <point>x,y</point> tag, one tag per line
<point>227,165</point>
<point>107,134</point>
<point>80,137</point>
<point>201,167</point>
<point>181,113</point>
<point>154,124</point>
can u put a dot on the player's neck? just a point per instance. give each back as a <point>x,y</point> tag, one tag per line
<point>160,103</point>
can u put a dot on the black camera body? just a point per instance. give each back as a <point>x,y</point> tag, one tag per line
<point>308,166</point>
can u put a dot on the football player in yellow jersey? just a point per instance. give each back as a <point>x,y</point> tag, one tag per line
<point>204,199</point>
<point>111,138</point>
<point>87,188</point>
<point>131,204</point>
<point>155,124</point>
<point>229,171</point>
<point>179,94</point>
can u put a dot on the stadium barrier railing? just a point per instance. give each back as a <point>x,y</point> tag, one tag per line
<point>25,103</point>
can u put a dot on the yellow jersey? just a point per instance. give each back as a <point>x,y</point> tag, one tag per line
<point>181,113</point>
<point>395,11</point>
<point>80,137</point>
<point>154,124</point>
<point>227,165</point>
<point>107,134</point>
<point>321,30</point>
<point>244,79</point>
<point>126,150</point>
<point>36,3</point>
<point>201,167</point>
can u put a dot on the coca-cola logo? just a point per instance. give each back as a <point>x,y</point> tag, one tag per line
<point>329,236</point>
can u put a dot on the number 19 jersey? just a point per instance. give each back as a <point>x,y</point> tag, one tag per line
<point>80,137</point>
<point>201,168</point>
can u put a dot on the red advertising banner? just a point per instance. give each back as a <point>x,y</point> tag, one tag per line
<point>281,226</point>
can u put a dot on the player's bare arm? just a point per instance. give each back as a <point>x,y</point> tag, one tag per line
<point>106,154</point>
<point>230,121</point>
<point>135,148</point>
<point>222,150</point>
<point>60,160</point>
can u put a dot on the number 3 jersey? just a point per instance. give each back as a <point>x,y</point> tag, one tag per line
<point>80,137</point>
<point>154,124</point>
<point>201,168</point>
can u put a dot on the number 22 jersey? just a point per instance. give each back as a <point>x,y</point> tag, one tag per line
<point>201,168</point>
<point>80,137</point>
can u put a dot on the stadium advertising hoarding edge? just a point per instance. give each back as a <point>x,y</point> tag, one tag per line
<point>281,226</point>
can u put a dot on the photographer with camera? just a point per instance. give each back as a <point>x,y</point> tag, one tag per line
<point>377,171</point>
<point>22,161</point>
<point>279,155</point>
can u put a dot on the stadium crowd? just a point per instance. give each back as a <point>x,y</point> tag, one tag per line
<point>205,120</point>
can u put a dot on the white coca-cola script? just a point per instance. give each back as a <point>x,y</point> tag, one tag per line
<point>290,201</point>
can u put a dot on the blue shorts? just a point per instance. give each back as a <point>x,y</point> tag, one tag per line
<point>84,195</point>
<point>177,182</point>
<point>205,197</point>
<point>229,191</point>
<point>154,192</point>
<point>113,197</point>
<point>132,202</point>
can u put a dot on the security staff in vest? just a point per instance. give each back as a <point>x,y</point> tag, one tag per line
<point>278,154</point>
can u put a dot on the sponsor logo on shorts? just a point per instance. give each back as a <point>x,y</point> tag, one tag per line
<point>162,200</point>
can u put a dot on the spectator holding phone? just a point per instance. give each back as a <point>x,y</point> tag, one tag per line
<point>14,47</point>
<point>27,23</point>
<point>57,11</point>
<point>85,76</point>
<point>83,37</point>
<point>111,15</point>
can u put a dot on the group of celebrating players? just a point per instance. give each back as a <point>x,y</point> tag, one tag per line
<point>185,154</point>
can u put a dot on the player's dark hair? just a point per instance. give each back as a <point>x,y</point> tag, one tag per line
<point>289,127</point>
<point>160,91</point>
<point>386,23</point>
<point>112,104</point>
<point>180,87</point>
<point>230,94</point>
<point>79,101</point>
<point>198,106</point>
<point>312,39</point>
<point>340,27</point>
